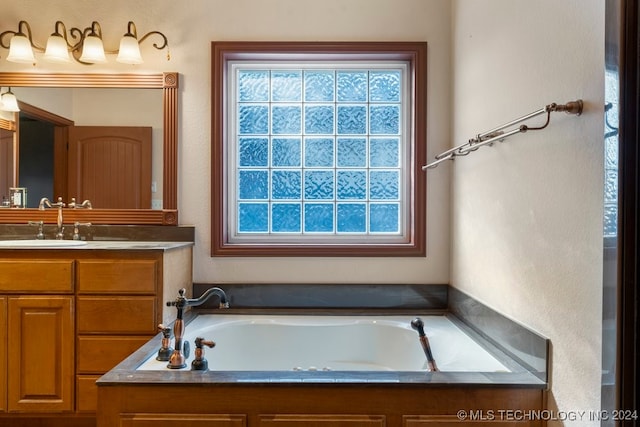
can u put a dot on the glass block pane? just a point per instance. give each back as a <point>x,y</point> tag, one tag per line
<point>318,185</point>
<point>254,151</point>
<point>610,220</point>
<point>253,185</point>
<point>253,86</point>
<point>286,184</point>
<point>611,186</point>
<point>384,120</point>
<point>352,185</point>
<point>318,218</point>
<point>286,217</point>
<point>384,152</point>
<point>253,119</point>
<point>352,218</point>
<point>384,185</point>
<point>352,120</point>
<point>384,86</point>
<point>383,218</point>
<point>253,217</point>
<point>352,86</point>
<point>352,152</point>
<point>318,119</point>
<point>318,152</point>
<point>286,151</point>
<point>286,86</point>
<point>611,153</point>
<point>286,119</point>
<point>319,86</point>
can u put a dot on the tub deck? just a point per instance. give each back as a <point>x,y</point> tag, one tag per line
<point>130,397</point>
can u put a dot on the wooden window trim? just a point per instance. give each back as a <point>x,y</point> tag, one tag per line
<point>414,52</point>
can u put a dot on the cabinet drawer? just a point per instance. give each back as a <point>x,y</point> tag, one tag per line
<point>130,276</point>
<point>87,393</point>
<point>97,355</point>
<point>36,275</point>
<point>181,420</point>
<point>114,315</point>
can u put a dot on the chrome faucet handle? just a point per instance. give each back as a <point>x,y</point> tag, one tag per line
<point>76,231</point>
<point>40,224</point>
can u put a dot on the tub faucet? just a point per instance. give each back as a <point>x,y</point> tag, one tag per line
<point>177,359</point>
<point>44,202</point>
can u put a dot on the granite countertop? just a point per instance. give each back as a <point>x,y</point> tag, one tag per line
<point>68,245</point>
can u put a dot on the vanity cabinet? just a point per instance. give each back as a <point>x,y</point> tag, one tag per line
<point>118,311</point>
<point>37,334</point>
<point>3,354</point>
<point>68,316</point>
<point>40,360</point>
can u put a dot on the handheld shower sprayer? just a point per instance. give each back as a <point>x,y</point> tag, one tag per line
<point>418,325</point>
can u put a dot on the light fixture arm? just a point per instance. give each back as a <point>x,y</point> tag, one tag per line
<point>22,25</point>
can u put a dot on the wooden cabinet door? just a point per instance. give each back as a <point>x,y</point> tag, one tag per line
<point>3,354</point>
<point>40,343</point>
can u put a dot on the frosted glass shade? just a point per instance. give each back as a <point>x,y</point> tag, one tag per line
<point>56,50</point>
<point>93,50</point>
<point>9,102</point>
<point>129,52</point>
<point>20,50</point>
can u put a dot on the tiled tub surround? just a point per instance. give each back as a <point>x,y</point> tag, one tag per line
<point>385,397</point>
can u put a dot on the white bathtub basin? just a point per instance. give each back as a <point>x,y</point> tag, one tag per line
<point>40,243</point>
<point>336,343</point>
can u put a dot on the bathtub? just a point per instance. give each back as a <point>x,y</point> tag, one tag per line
<point>334,343</point>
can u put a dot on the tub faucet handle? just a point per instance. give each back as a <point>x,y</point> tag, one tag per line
<point>199,363</point>
<point>165,351</point>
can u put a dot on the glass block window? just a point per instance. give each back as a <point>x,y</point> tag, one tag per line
<point>611,154</point>
<point>318,151</point>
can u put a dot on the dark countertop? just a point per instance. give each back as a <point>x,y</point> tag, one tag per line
<point>95,245</point>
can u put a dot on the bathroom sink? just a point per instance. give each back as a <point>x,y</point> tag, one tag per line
<point>41,243</point>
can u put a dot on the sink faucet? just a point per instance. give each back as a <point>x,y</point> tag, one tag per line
<point>85,204</point>
<point>60,204</point>
<point>177,359</point>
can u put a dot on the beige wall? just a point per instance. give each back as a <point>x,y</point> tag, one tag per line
<point>190,28</point>
<point>527,213</point>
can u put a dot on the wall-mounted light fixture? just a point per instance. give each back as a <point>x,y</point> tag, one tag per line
<point>85,47</point>
<point>9,102</point>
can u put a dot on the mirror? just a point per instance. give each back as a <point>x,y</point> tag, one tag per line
<point>168,84</point>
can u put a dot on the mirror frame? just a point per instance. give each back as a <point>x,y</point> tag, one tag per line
<point>168,82</point>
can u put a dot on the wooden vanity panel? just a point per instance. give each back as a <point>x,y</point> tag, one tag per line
<point>98,354</point>
<point>454,421</point>
<point>312,420</point>
<point>86,393</point>
<point>118,276</point>
<point>36,275</point>
<point>117,315</point>
<point>3,355</point>
<point>40,330</point>
<point>182,420</point>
